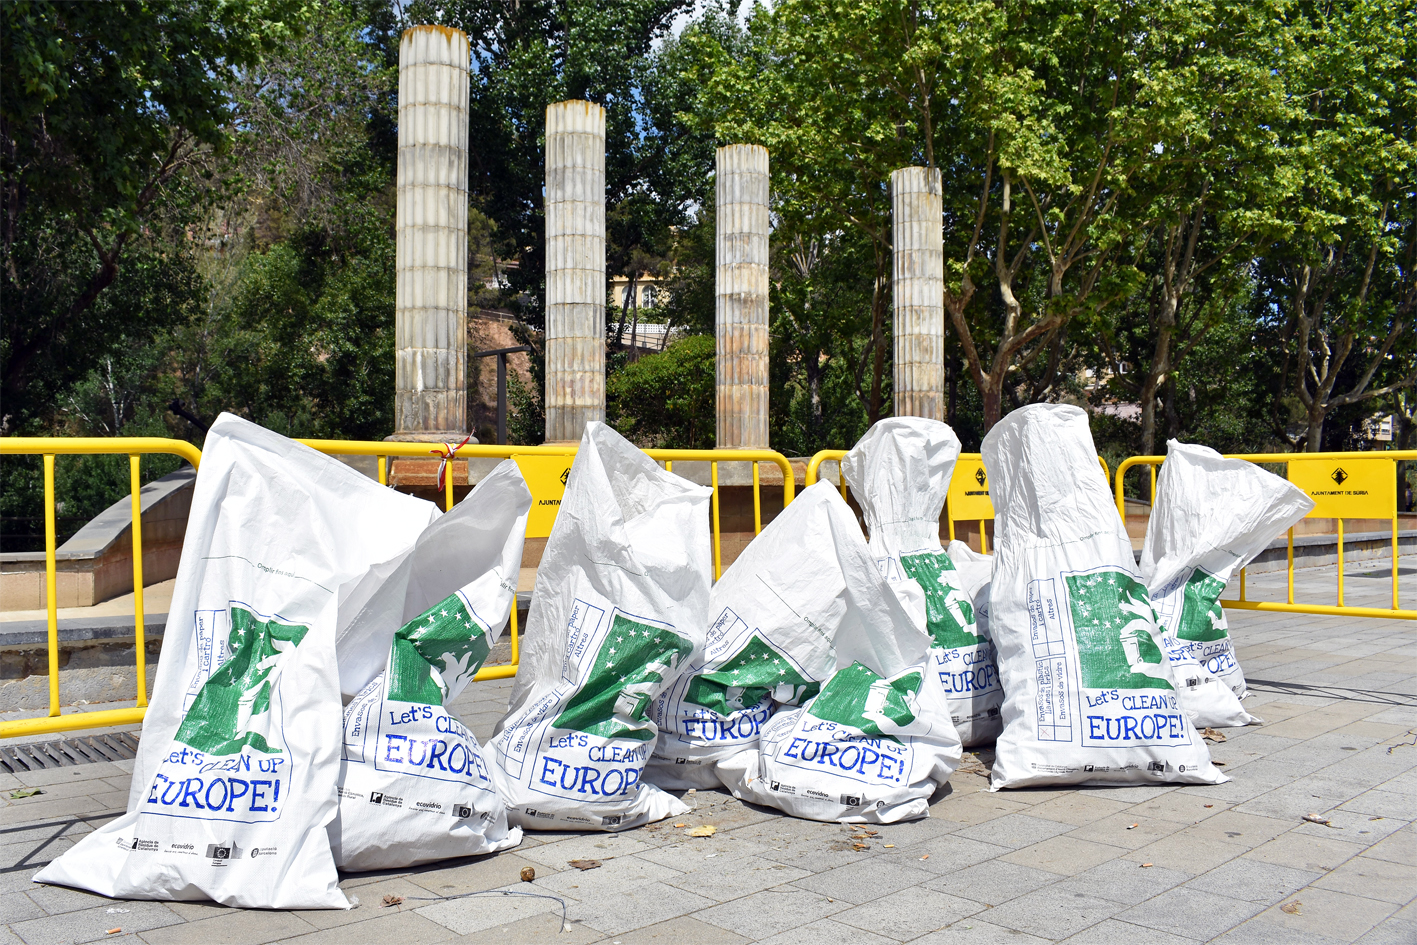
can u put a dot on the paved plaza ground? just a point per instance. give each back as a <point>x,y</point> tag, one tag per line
<point>1233,863</point>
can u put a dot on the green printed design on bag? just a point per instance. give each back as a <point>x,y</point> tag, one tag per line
<point>440,647</point>
<point>857,697</point>
<point>631,664</point>
<point>1112,620</point>
<point>754,672</point>
<point>233,708</point>
<point>948,612</point>
<point>1202,618</point>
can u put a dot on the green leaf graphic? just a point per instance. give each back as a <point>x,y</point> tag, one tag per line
<point>753,673</point>
<point>1112,617</point>
<point>1202,617</point>
<point>232,709</point>
<point>631,664</point>
<point>948,611</point>
<point>857,697</point>
<point>437,648</point>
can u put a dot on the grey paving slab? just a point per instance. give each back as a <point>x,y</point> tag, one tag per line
<point>771,911</point>
<point>90,925</point>
<point>975,931</point>
<point>1123,881</point>
<point>405,928</point>
<point>994,882</point>
<point>1116,932</point>
<point>1191,913</point>
<point>909,913</point>
<point>677,931</point>
<point>1335,915</point>
<point>1253,880</point>
<point>1053,913</point>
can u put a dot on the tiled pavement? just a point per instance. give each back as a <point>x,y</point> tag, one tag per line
<point>1231,863</point>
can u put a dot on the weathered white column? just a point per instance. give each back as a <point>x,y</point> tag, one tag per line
<point>431,227</point>
<point>575,269</point>
<point>741,296</point>
<point>917,288</point>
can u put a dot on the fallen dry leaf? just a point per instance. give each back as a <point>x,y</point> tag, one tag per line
<point>392,900</point>
<point>1211,735</point>
<point>24,792</point>
<point>1291,907</point>
<point>1210,805</point>
<point>707,830</point>
<point>585,864</point>
<point>528,874</point>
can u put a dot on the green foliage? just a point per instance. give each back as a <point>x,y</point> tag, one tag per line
<point>667,400</point>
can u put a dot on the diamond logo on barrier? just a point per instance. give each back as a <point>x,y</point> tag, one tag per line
<point>1339,476</point>
<point>979,476</point>
<point>565,474</point>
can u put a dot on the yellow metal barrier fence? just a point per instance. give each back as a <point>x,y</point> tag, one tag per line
<point>968,496</point>
<point>48,448</point>
<point>542,466</point>
<point>1342,485</point>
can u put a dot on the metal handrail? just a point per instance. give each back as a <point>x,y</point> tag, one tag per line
<point>48,447</point>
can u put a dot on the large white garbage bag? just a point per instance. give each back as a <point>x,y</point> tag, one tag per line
<point>773,616</point>
<point>618,614</point>
<point>1089,694</point>
<point>414,785</point>
<point>234,783</point>
<point>900,473</point>
<point>1212,516</point>
<point>876,741</point>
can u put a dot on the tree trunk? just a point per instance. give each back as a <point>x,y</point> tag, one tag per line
<point>878,318</point>
<point>1315,442</point>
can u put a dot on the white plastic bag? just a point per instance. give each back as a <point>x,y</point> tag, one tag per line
<point>414,785</point>
<point>900,473</point>
<point>975,571</point>
<point>876,741</point>
<point>1212,516</point>
<point>617,614</point>
<point>1089,694</point>
<point>234,783</point>
<point>773,616</point>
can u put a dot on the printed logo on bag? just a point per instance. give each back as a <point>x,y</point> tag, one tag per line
<point>229,760</point>
<point>436,652</point>
<point>222,854</point>
<point>850,800</point>
<point>233,709</point>
<point>948,612</point>
<point>462,811</point>
<point>632,663</point>
<point>747,678</point>
<point>1129,701</point>
<point>1202,617</point>
<point>857,697</point>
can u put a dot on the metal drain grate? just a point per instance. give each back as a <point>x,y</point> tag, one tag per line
<point>68,752</point>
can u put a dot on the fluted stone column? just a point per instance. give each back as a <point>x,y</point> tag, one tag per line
<point>575,269</point>
<point>741,296</point>
<point>431,227</point>
<point>917,287</point>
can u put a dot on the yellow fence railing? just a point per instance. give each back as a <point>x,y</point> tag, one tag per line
<point>968,497</point>
<point>1343,486</point>
<point>544,468</point>
<point>48,448</point>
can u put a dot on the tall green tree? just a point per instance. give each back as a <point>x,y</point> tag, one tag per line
<point>1342,277</point>
<point>103,106</point>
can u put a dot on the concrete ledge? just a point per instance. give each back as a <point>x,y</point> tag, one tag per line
<point>96,564</point>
